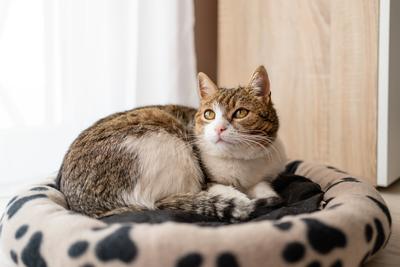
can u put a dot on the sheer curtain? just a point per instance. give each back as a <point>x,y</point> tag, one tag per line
<point>65,64</point>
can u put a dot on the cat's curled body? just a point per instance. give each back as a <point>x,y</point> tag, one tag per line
<point>163,157</point>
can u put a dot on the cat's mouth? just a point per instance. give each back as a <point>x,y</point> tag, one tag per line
<point>221,140</point>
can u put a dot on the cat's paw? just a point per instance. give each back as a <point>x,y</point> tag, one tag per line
<point>240,209</point>
<point>235,205</point>
<point>245,209</point>
<point>228,192</point>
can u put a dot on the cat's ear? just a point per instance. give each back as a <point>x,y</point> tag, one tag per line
<point>205,85</point>
<point>259,82</point>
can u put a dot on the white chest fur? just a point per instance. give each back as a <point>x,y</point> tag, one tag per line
<point>245,173</point>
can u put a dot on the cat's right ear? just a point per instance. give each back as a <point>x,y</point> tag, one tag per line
<point>259,82</point>
<point>205,85</point>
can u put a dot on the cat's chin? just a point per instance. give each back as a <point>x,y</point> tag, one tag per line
<point>223,143</point>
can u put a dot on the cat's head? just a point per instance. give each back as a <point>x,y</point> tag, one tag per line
<point>238,122</point>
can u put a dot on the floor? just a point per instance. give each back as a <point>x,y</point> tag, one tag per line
<point>390,256</point>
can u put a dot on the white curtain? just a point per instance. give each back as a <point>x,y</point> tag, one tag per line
<point>65,64</point>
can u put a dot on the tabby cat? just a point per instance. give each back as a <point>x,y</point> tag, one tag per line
<point>218,160</point>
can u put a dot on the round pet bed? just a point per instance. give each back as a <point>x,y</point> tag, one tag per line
<point>353,224</point>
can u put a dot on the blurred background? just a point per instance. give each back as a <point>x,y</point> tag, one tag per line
<point>65,64</point>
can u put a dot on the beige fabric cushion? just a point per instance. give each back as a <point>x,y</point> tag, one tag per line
<point>38,230</point>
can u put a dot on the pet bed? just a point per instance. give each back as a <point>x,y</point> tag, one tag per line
<point>329,219</point>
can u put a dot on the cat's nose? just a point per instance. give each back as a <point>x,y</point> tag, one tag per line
<point>220,129</point>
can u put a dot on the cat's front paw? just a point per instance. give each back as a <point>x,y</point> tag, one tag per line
<point>246,209</point>
<point>235,206</point>
<point>240,209</point>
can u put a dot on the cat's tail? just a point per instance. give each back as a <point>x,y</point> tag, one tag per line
<point>224,208</point>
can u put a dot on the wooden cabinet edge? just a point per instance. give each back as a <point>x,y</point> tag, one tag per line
<point>388,132</point>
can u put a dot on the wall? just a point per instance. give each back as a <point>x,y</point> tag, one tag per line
<point>206,29</point>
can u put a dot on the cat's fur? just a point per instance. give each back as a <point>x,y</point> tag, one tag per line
<point>161,157</point>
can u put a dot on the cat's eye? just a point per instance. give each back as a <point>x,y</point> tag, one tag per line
<point>209,114</point>
<point>240,113</point>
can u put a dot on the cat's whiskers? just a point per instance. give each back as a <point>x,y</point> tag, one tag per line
<point>265,149</point>
<point>238,137</point>
<point>258,138</point>
<point>251,143</point>
<point>271,144</point>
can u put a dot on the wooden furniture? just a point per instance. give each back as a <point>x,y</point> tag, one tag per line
<point>329,71</point>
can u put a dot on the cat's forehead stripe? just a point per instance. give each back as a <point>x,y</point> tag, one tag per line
<point>226,97</point>
<point>229,98</point>
<point>232,101</point>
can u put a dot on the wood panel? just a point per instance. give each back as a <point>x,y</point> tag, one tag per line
<point>206,26</point>
<point>322,60</point>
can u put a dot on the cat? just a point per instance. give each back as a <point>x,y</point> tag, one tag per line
<point>217,161</point>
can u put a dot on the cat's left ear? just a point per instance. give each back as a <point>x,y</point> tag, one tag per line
<point>205,85</point>
<point>259,82</point>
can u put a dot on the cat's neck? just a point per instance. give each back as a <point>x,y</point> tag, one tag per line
<point>245,169</point>
<point>274,151</point>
